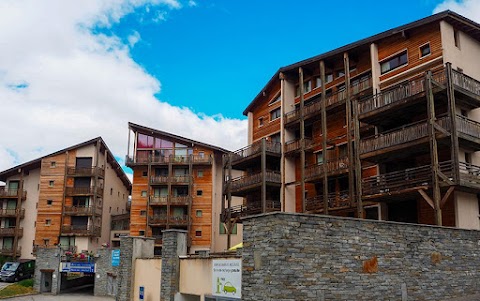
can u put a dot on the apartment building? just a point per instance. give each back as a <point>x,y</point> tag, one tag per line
<point>65,198</point>
<point>177,184</point>
<point>384,128</point>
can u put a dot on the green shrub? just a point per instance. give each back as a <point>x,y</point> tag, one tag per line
<point>26,283</point>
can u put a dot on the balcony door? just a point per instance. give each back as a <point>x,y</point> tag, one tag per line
<point>7,243</point>
<point>13,187</point>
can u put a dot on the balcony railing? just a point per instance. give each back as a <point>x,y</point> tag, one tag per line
<point>12,212</point>
<point>88,230</point>
<point>468,127</point>
<point>255,149</point>
<point>158,239</point>
<point>399,136</point>
<point>72,191</point>
<point>12,193</point>
<point>173,179</point>
<point>291,116</point>
<point>403,179</point>
<point>465,82</point>
<point>332,165</point>
<point>158,219</point>
<point>242,182</point>
<point>10,231</point>
<point>194,159</point>
<point>163,200</point>
<point>81,210</point>
<point>251,209</point>
<point>178,220</point>
<point>10,251</point>
<point>294,145</point>
<point>469,174</point>
<point>336,200</point>
<point>362,85</point>
<point>86,171</point>
<point>158,200</point>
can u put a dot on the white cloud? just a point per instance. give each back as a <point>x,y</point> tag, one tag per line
<point>61,84</point>
<point>192,3</point>
<point>467,8</point>
<point>133,39</point>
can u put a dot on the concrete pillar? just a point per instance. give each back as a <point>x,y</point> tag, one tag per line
<point>174,245</point>
<point>47,261</point>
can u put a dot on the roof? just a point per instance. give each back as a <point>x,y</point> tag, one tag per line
<point>470,27</point>
<point>36,163</point>
<point>151,131</point>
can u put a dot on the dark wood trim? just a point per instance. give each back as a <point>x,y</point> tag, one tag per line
<point>324,137</point>
<point>302,137</point>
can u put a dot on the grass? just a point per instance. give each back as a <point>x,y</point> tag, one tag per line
<point>19,288</point>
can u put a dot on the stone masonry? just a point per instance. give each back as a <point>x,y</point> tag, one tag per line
<point>174,245</point>
<point>48,259</point>
<point>311,257</point>
<point>103,267</point>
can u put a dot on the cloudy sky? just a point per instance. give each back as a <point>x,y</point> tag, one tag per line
<point>74,70</point>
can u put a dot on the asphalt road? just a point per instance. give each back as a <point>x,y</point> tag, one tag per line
<point>79,296</point>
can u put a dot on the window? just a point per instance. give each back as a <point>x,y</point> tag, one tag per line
<point>456,38</point>
<point>223,229</point>
<point>275,114</point>
<point>201,154</point>
<point>393,63</point>
<point>307,86</point>
<point>328,79</point>
<point>198,233</point>
<point>46,241</point>
<point>50,183</point>
<point>260,121</point>
<point>53,164</point>
<point>49,202</point>
<point>297,91</point>
<point>199,192</point>
<point>275,99</point>
<point>141,232</point>
<point>319,158</point>
<point>48,222</point>
<point>425,50</point>
<point>198,213</point>
<point>340,73</point>
<point>144,193</point>
<point>200,173</point>
<point>143,212</point>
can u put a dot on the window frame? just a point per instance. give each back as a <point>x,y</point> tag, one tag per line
<point>279,109</point>
<point>422,47</point>
<point>390,58</point>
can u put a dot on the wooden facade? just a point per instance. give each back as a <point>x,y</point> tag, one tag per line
<point>380,123</point>
<point>172,186</point>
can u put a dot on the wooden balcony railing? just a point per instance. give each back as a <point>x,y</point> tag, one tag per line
<point>10,251</point>
<point>173,179</point>
<point>332,165</point>
<point>294,145</point>
<point>468,127</point>
<point>194,159</point>
<point>255,149</point>
<point>403,179</point>
<point>179,220</point>
<point>10,231</point>
<point>88,230</point>
<point>12,212</point>
<point>158,200</point>
<point>158,219</point>
<point>12,193</point>
<point>81,210</point>
<point>362,85</point>
<point>465,82</point>
<point>469,174</point>
<point>243,182</point>
<point>72,191</point>
<point>251,209</point>
<point>164,200</point>
<point>336,200</point>
<point>86,171</point>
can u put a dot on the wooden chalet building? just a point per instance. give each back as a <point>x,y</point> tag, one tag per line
<point>177,184</point>
<point>384,128</point>
<point>65,198</point>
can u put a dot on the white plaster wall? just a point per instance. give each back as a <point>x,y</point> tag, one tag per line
<point>149,275</point>
<point>250,127</point>
<point>83,243</point>
<point>289,103</point>
<point>466,210</point>
<point>196,276</point>
<point>375,67</point>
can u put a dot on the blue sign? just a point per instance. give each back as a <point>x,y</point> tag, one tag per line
<point>78,267</point>
<point>142,293</point>
<point>115,258</point>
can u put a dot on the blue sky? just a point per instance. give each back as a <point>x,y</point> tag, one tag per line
<point>216,56</point>
<point>74,70</point>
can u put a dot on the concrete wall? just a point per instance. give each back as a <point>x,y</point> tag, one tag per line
<point>466,210</point>
<point>190,280</point>
<point>314,257</point>
<point>149,276</point>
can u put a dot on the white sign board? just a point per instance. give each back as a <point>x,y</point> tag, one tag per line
<point>227,278</point>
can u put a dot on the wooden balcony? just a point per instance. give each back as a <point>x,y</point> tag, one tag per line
<point>294,146</point>
<point>399,138</point>
<point>172,200</point>
<point>247,183</point>
<point>84,191</point>
<point>254,151</point>
<point>81,230</point>
<point>336,201</point>
<point>81,210</point>
<point>10,251</point>
<point>164,180</point>
<point>468,130</point>
<point>467,86</point>
<point>158,239</point>
<point>397,96</point>
<point>12,213</point>
<point>174,220</point>
<point>165,160</point>
<point>12,193</point>
<point>86,172</point>
<point>250,209</point>
<point>11,231</point>
<point>157,220</point>
<point>333,166</point>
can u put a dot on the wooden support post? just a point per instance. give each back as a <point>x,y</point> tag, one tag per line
<point>282,139</point>
<point>229,200</point>
<point>264,175</point>
<point>128,145</point>
<point>324,138</point>
<point>95,182</point>
<point>453,125</point>
<point>190,190</point>
<point>302,138</point>
<point>433,148</point>
<point>358,163</point>
<point>169,188</point>
<point>348,108</point>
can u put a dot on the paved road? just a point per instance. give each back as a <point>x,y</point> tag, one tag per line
<point>63,297</point>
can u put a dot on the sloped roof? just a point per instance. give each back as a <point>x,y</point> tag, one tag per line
<point>466,25</point>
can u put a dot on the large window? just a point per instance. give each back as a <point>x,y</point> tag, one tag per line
<point>393,63</point>
<point>275,114</point>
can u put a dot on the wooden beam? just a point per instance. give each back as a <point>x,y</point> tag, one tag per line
<point>324,137</point>
<point>426,198</point>
<point>348,116</point>
<point>302,138</point>
<point>447,195</point>
<point>441,129</point>
<point>445,178</point>
<point>453,124</point>
<point>264,174</point>
<point>282,139</point>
